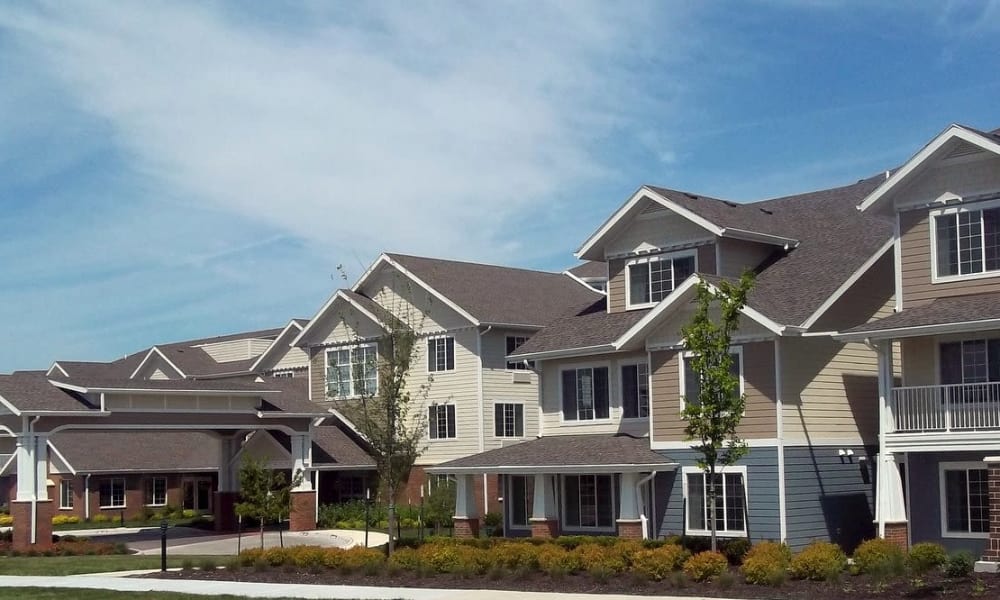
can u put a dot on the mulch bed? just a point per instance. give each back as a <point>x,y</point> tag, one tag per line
<point>853,587</point>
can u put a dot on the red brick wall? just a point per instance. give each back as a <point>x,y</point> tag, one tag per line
<point>135,489</point>
<point>418,477</point>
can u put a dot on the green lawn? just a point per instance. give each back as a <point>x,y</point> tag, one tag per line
<point>35,593</point>
<point>75,565</point>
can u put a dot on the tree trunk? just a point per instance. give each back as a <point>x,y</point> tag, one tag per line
<point>392,524</point>
<point>711,505</point>
<point>262,534</point>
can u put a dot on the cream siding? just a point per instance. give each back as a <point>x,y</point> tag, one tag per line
<point>234,350</point>
<point>294,358</point>
<point>919,361</point>
<point>668,334</point>
<point>652,232</point>
<point>553,423</point>
<point>158,375</point>
<point>503,386</point>
<point>412,303</point>
<point>736,256</point>
<point>155,367</point>
<point>760,418</point>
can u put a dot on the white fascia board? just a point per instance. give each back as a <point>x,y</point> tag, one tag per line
<point>753,236</point>
<point>13,409</point>
<point>157,351</point>
<point>626,210</point>
<point>918,159</point>
<point>60,456</point>
<point>160,391</point>
<point>338,296</point>
<point>275,344</point>
<point>564,353</point>
<point>858,274</point>
<point>561,469</point>
<point>584,283</point>
<point>7,466</point>
<point>56,366</point>
<point>918,331</point>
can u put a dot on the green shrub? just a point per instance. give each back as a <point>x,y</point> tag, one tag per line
<point>705,565</point>
<point>405,558</point>
<point>189,513</point>
<point>600,560</point>
<point>774,550</point>
<point>925,557</point>
<point>514,555</point>
<point>454,558</point>
<point>656,564</point>
<point>187,564</point>
<point>819,561</point>
<point>766,563</point>
<point>207,564</point>
<point>571,542</point>
<point>556,560</point>
<point>959,565</point>
<point>100,518</point>
<point>879,557</point>
<point>735,550</point>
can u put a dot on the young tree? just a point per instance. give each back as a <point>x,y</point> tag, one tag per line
<point>714,412</point>
<point>265,494</point>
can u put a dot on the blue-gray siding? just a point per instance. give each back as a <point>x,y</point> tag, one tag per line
<point>925,499</point>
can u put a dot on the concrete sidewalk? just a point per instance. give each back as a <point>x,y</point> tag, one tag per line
<point>292,590</point>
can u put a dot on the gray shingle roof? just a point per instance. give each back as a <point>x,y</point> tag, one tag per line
<point>332,447</point>
<point>117,451</point>
<point>942,311</point>
<point>592,326</point>
<point>566,451</point>
<point>30,391</point>
<point>500,295</point>
<point>591,268</point>
<point>208,385</point>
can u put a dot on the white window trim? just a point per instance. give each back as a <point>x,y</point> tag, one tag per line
<point>440,439</point>
<point>62,497</point>
<point>454,358</point>
<point>507,363</point>
<point>326,368</point>
<point>583,423</point>
<point>943,498</point>
<point>738,350</point>
<point>529,480</point>
<point>951,210</point>
<point>648,259</point>
<point>741,469</point>
<point>524,412</point>
<point>621,390</point>
<point>563,497</point>
<point>124,503</point>
<point>152,491</point>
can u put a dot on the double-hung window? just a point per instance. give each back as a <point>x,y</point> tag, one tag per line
<point>441,421</point>
<point>508,419</point>
<point>967,242</point>
<point>588,502</point>
<point>441,354</point>
<point>585,394</point>
<point>352,372</point>
<point>965,500</point>
<point>691,381</point>
<point>652,278</point>
<point>66,493</point>
<point>730,501</point>
<point>111,493</point>
<point>513,343</point>
<point>156,491</point>
<point>635,391</point>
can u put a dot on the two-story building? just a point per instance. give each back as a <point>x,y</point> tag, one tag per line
<point>612,456</point>
<point>469,317</point>
<point>942,425</point>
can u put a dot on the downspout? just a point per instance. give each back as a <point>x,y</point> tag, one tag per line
<point>482,408</point>
<point>86,496</point>
<point>780,431</point>
<point>638,491</point>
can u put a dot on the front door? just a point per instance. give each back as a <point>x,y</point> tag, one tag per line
<point>197,493</point>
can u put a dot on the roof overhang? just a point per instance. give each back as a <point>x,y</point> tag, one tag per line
<point>81,389</point>
<point>566,353</point>
<point>927,153</point>
<point>919,330</point>
<point>154,351</point>
<point>386,260</point>
<point>280,342</point>
<point>551,468</point>
<point>338,297</point>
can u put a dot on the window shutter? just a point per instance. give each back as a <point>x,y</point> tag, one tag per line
<point>431,355</point>
<point>630,391</point>
<point>432,421</point>
<point>602,405</point>
<point>449,353</point>
<point>498,420</point>
<point>451,420</point>
<point>993,359</point>
<point>519,420</point>
<point>951,363</point>
<point>569,395</point>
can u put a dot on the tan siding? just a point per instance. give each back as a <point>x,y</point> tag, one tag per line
<point>829,391</point>
<point>616,285</point>
<point>317,375</point>
<point>736,256</point>
<point>233,350</point>
<point>760,419</point>
<point>964,178</point>
<point>552,397</point>
<point>917,264</point>
<point>668,333</point>
<point>919,361</point>
<point>158,375</point>
<point>870,297</point>
<point>651,233</point>
<point>411,303</point>
<point>706,259</point>
<point>294,358</point>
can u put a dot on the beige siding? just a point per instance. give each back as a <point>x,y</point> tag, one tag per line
<point>158,375</point>
<point>870,297</point>
<point>234,350</point>
<point>653,232</point>
<point>501,385</point>
<point>829,390</point>
<point>317,374</point>
<point>736,256</point>
<point>553,423</point>
<point>917,264</point>
<point>668,334</point>
<point>964,178</point>
<point>411,303</point>
<point>157,368</point>
<point>759,420</point>
<point>919,357</point>
<point>705,263</point>
<point>294,358</point>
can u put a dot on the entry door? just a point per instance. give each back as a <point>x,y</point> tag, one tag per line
<point>197,494</point>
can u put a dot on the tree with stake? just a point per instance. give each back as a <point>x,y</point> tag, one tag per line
<point>714,410</point>
<point>265,494</point>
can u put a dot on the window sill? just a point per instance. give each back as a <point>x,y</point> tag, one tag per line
<point>440,439</point>
<point>580,423</point>
<point>65,508</point>
<point>635,419</point>
<point>112,507</point>
<point>725,534</point>
<point>155,505</point>
<point>969,277</point>
<point>510,437</point>
<point>964,535</point>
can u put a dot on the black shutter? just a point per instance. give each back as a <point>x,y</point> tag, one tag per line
<point>602,405</point>
<point>451,420</point>
<point>630,392</point>
<point>569,395</point>
<point>498,420</point>
<point>993,359</point>
<point>432,421</point>
<point>449,354</point>
<point>951,363</point>
<point>431,355</point>
<point>519,420</point>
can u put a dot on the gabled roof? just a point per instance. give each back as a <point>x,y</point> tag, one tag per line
<point>589,330</point>
<point>29,392</point>
<point>590,269</point>
<point>956,314</point>
<point>495,295</point>
<point>364,305</point>
<point>332,448</point>
<point>94,451</point>
<point>989,141</point>
<point>280,344</point>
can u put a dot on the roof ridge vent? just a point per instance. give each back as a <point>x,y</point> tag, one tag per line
<point>692,196</point>
<point>765,211</point>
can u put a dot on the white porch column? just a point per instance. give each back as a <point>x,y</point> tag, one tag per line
<point>628,501</point>
<point>890,508</point>
<point>302,461</point>
<point>885,383</point>
<point>544,516</point>
<point>41,467</point>
<point>465,497</point>
<point>26,468</point>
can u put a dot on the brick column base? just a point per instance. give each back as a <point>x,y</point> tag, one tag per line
<point>544,528</point>
<point>992,551</point>
<point>21,512</point>
<point>630,529</point>
<point>225,511</point>
<point>465,527</point>
<point>303,515</point>
<point>897,533</point>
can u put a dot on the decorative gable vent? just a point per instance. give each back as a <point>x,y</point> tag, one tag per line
<point>964,149</point>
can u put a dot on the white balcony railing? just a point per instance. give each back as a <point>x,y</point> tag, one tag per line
<point>960,407</point>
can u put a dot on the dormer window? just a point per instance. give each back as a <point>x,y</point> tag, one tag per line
<point>652,278</point>
<point>967,242</point>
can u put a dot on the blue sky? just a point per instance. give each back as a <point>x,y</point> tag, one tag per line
<point>173,170</point>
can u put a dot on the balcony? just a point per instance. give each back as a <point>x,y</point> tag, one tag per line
<point>944,408</point>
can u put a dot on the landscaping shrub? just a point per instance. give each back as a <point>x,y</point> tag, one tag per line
<point>307,556</point>
<point>735,549</point>
<point>819,561</point>
<point>189,513</point>
<point>100,518</point>
<point>406,558</point>
<point>657,563</point>
<point>773,550</point>
<point>959,565</point>
<point>766,563</point>
<point>705,565</point>
<point>925,557</point>
<point>208,564</point>
<point>514,555</point>
<point>571,542</point>
<point>65,519</point>
<point>6,520</point>
<point>879,557</point>
<point>493,521</point>
<point>599,560</point>
<point>556,560</point>
<point>455,558</point>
